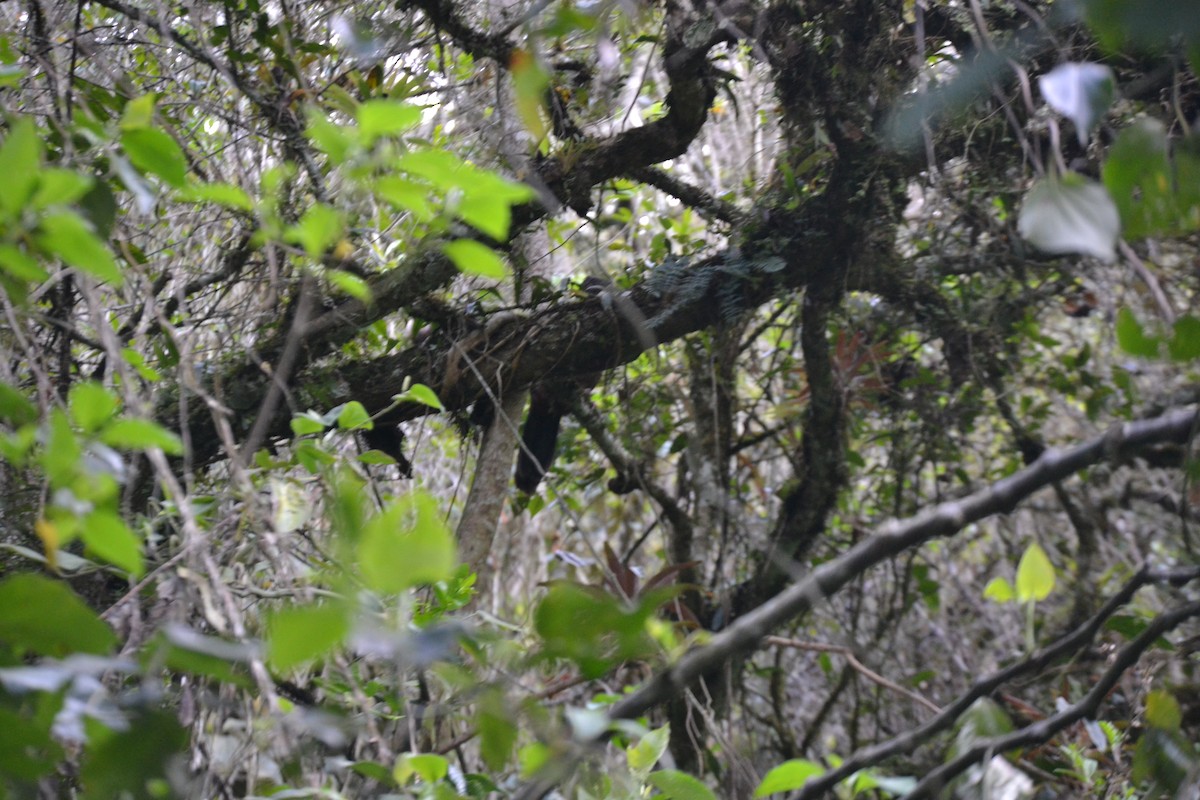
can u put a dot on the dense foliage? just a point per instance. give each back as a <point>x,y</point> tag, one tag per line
<point>599,399</point>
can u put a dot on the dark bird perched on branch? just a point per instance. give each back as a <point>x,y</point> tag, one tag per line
<point>549,402</point>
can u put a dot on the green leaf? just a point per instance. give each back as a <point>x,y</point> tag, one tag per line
<point>532,757</point>
<point>497,731</point>
<point>307,423</point>
<point>141,434</point>
<point>138,361</point>
<point>405,195</point>
<point>107,535</point>
<point>298,635</point>
<point>1137,174</point>
<point>474,258</point>
<point>1151,23</point>
<point>1164,758</point>
<point>441,168</point>
<point>378,118</point>
<point>1132,338</point>
<point>331,139</point>
<point>420,393</point>
<point>1035,575</point>
<point>788,776</point>
<point>63,451</point>
<point>319,228</point>
<point>20,162</point>
<point>67,236</point>
<point>1162,711</point>
<point>1185,343</point>
<point>44,616</point>
<point>15,408</point>
<point>426,766</point>
<point>1071,215</point>
<point>60,187</point>
<point>487,213</point>
<point>649,749</point>
<point>19,265</point>
<point>530,81</point>
<point>999,590</point>
<point>138,113</point>
<point>91,405</point>
<point>1080,92</point>
<point>406,544</point>
<point>350,284</point>
<point>221,194</point>
<point>354,416</point>
<point>591,628</point>
<point>677,785</point>
<point>184,650</point>
<point>154,151</point>
<point>126,763</point>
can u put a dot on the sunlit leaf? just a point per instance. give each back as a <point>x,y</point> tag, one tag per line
<point>378,118</point>
<point>60,187</point>
<point>319,228</point>
<point>407,544</point>
<point>354,416</point>
<point>154,151</point>
<point>1035,575</point>
<point>426,766</point>
<point>420,393</point>
<point>788,776</point>
<point>107,535</point>
<point>351,284</point>
<point>474,258</point>
<point>298,635</point>
<point>999,590</point>
<point>643,755</point>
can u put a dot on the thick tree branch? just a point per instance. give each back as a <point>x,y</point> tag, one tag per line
<point>897,536</point>
<point>1033,664</point>
<point>1041,731</point>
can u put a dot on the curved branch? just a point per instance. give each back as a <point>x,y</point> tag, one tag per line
<point>933,783</point>
<point>910,740</point>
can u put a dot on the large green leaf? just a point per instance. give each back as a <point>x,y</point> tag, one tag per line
<point>298,635</point>
<point>406,545</point>
<point>107,535</point>
<point>20,161</point>
<point>1071,215</point>
<point>66,235</point>
<point>134,763</point>
<point>676,785</point>
<point>154,151</point>
<point>474,258</point>
<point>1035,575</point>
<point>788,776</point>
<point>44,616</point>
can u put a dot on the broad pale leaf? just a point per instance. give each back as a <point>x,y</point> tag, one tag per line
<point>1071,215</point>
